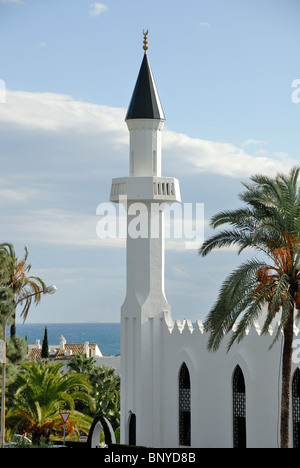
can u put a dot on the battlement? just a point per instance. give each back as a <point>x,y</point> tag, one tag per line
<point>186,326</point>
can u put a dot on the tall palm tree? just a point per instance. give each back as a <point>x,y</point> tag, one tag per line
<point>269,224</point>
<point>20,283</point>
<point>6,295</point>
<point>42,392</point>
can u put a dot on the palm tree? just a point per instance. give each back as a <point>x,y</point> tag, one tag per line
<point>42,393</point>
<point>81,364</point>
<point>6,295</point>
<point>20,283</point>
<point>105,384</point>
<point>106,391</point>
<point>269,224</point>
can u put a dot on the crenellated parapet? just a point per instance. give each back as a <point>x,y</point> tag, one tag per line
<point>187,327</point>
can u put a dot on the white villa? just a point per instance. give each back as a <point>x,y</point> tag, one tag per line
<point>63,352</point>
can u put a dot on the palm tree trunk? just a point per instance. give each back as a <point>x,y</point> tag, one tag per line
<point>286,379</point>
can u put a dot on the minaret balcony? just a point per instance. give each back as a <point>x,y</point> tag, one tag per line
<point>162,189</point>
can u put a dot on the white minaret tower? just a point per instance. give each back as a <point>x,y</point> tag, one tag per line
<point>145,193</point>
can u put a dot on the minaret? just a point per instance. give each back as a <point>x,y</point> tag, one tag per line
<point>145,194</point>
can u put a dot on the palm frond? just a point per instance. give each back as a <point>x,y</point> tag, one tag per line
<point>270,224</point>
<point>242,217</point>
<point>236,296</point>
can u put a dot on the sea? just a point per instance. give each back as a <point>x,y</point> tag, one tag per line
<point>105,335</point>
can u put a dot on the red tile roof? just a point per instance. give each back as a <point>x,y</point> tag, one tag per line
<point>60,353</point>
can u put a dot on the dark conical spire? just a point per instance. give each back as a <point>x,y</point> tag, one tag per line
<point>145,102</point>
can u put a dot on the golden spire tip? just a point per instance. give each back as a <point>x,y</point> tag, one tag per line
<point>145,46</point>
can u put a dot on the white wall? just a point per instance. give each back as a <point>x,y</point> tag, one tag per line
<point>109,361</point>
<point>211,388</point>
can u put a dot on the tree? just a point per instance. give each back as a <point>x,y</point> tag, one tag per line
<point>6,303</point>
<point>16,352</point>
<point>269,224</point>
<point>105,385</point>
<point>42,392</point>
<point>45,345</point>
<point>81,364</point>
<point>106,391</point>
<point>6,294</point>
<point>19,288</point>
<point>18,281</point>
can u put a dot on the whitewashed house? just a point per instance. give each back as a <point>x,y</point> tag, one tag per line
<point>63,352</point>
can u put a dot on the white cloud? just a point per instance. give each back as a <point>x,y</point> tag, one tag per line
<point>97,9</point>
<point>59,156</point>
<point>72,125</point>
<point>178,272</point>
<point>19,2</point>
<point>204,25</point>
<point>59,113</point>
<point>55,226</point>
<point>218,158</point>
<point>281,155</point>
<point>254,142</point>
<point>18,195</point>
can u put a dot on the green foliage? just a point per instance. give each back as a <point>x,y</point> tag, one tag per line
<point>16,348</point>
<point>106,390</point>
<point>81,364</point>
<point>16,352</point>
<point>15,284</point>
<point>6,294</point>
<point>270,225</point>
<point>106,387</point>
<point>16,279</point>
<point>42,391</point>
<point>45,345</point>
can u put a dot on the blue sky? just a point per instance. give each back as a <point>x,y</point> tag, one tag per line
<point>224,71</point>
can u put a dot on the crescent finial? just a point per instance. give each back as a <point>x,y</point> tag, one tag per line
<point>145,46</point>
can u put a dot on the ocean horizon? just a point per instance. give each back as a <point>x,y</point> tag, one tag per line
<point>105,335</point>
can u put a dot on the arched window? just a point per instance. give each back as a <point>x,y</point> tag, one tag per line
<point>239,409</point>
<point>296,408</point>
<point>132,429</point>
<point>184,406</point>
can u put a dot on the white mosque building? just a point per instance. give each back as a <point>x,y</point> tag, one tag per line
<point>174,393</point>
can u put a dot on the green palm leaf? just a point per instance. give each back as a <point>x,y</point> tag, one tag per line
<point>270,225</point>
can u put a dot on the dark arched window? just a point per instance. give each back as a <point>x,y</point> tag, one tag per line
<point>184,406</point>
<point>296,408</point>
<point>132,429</point>
<point>239,409</point>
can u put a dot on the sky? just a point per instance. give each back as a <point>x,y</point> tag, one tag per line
<point>228,76</point>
